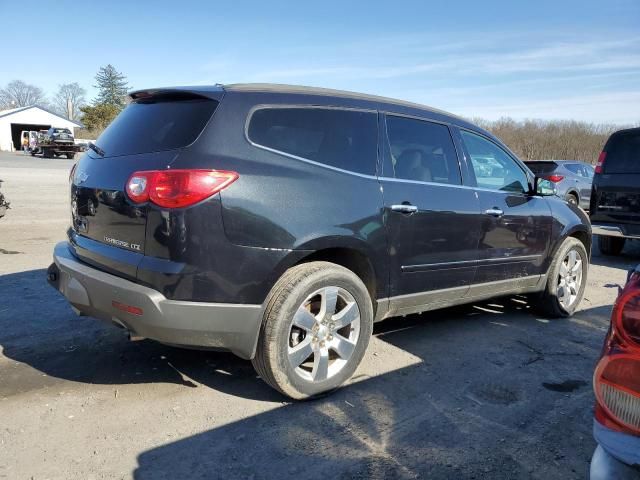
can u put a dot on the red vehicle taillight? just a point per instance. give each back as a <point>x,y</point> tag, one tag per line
<point>555,178</point>
<point>617,376</point>
<point>600,164</point>
<point>177,188</point>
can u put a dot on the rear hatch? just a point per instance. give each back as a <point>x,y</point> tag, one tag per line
<point>108,230</point>
<point>616,185</point>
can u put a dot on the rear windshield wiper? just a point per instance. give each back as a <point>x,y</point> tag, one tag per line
<point>96,149</point>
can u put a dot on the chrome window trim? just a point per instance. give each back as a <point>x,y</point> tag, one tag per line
<point>468,187</point>
<point>479,262</point>
<point>276,106</point>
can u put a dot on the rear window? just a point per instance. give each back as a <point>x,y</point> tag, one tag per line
<point>163,122</point>
<point>623,153</point>
<point>541,168</point>
<point>345,139</point>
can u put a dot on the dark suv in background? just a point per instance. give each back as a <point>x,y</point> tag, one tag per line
<point>280,222</point>
<point>615,197</point>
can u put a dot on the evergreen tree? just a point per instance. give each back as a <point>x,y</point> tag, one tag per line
<point>112,87</point>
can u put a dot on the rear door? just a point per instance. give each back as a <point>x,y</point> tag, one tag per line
<point>515,227</point>
<point>107,229</point>
<point>616,192</point>
<point>429,215</point>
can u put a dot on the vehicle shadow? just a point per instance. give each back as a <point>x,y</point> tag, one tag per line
<point>490,397</point>
<point>493,393</point>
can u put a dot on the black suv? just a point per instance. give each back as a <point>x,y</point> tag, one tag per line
<point>280,222</point>
<point>615,195</point>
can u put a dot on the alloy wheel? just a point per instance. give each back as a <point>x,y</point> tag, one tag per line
<point>323,334</point>
<point>569,279</point>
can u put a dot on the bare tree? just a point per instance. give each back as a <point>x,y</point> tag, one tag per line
<point>551,140</point>
<point>20,94</point>
<point>69,99</point>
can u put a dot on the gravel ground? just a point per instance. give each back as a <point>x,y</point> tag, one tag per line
<point>481,391</point>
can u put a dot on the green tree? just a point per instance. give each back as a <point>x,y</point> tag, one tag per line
<point>112,87</point>
<point>97,117</point>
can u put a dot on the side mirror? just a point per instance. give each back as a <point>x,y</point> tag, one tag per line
<point>545,188</point>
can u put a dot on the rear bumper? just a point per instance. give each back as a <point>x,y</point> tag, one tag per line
<point>614,231</point>
<point>615,455</point>
<point>226,326</point>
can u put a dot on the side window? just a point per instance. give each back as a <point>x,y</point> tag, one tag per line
<point>574,168</point>
<point>589,171</point>
<point>493,167</point>
<point>345,139</point>
<point>422,151</point>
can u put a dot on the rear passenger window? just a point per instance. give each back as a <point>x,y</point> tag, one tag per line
<point>574,168</point>
<point>422,151</point>
<point>345,139</point>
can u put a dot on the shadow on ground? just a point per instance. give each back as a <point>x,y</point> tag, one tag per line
<point>497,393</point>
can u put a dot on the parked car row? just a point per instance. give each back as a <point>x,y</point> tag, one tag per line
<point>282,227</point>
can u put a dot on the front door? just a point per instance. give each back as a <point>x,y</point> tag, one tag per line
<point>430,217</point>
<point>515,226</point>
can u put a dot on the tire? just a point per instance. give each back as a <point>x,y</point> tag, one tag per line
<point>47,153</point>
<point>280,338</point>
<point>572,199</point>
<point>551,302</point>
<point>611,245</point>
<point>70,156</point>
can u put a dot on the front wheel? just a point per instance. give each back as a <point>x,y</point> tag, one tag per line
<point>566,280</point>
<point>316,328</point>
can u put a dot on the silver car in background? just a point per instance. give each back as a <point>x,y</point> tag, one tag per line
<point>572,178</point>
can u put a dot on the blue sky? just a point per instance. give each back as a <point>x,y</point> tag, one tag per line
<point>562,59</point>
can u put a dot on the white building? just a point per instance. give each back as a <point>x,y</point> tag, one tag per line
<point>13,121</point>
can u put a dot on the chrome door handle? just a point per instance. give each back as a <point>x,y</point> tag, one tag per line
<point>494,212</point>
<point>404,208</point>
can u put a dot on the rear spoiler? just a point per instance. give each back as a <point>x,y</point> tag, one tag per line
<point>215,92</point>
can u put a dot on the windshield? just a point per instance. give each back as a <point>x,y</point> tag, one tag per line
<point>163,122</point>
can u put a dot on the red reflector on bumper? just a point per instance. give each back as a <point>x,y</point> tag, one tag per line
<point>126,308</point>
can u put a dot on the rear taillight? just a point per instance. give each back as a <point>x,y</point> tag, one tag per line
<point>600,164</point>
<point>617,376</point>
<point>617,388</point>
<point>555,178</point>
<point>177,188</point>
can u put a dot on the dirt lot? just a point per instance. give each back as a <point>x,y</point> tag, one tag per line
<point>482,391</point>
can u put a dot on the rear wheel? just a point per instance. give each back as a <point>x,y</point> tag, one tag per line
<point>566,280</point>
<point>572,198</point>
<point>47,153</point>
<point>316,328</point>
<point>611,245</point>
<point>70,156</point>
